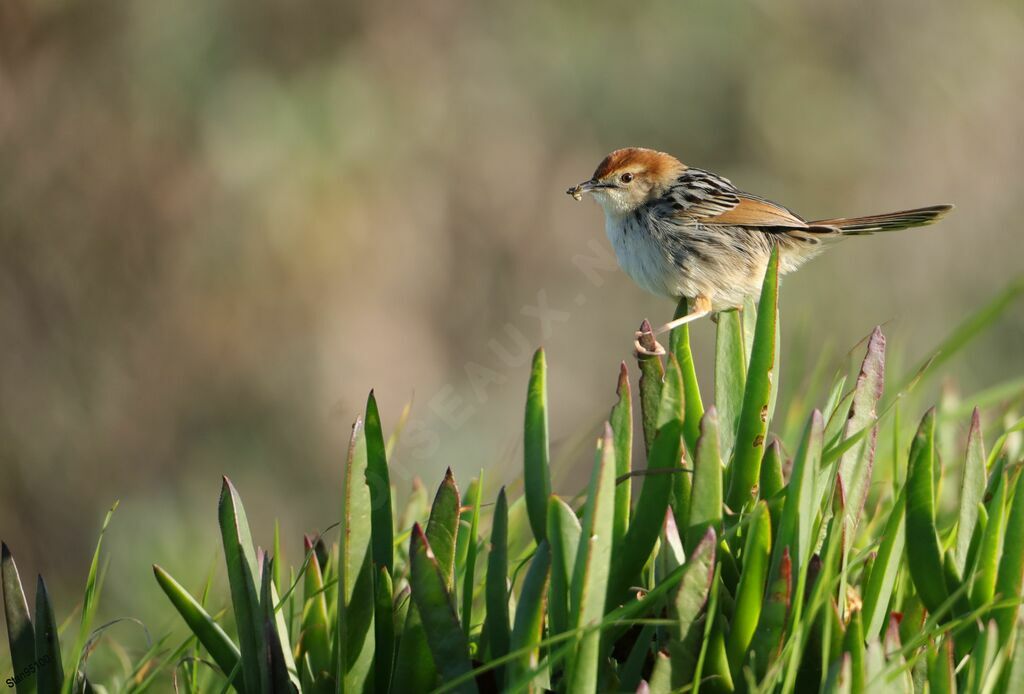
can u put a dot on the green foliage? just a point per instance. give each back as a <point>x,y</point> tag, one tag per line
<point>735,568</point>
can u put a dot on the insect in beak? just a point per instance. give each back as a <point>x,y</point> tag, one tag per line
<point>579,189</point>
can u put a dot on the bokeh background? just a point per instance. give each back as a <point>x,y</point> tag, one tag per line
<point>222,223</point>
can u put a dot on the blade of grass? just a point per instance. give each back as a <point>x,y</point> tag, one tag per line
<point>529,621</point>
<point>1010,579</point>
<point>379,482</point>
<point>652,374</point>
<point>536,456</point>
<point>88,608</point>
<point>442,527</point>
<point>621,419</point>
<point>564,536</point>
<point>800,510</point>
<point>650,512</point>
<point>315,640</point>
<point>219,645</point>
<point>354,638</point>
<point>20,633</point>
<point>856,465</point>
<point>750,593</point>
<point>497,627</point>
<point>685,608</point>
<point>924,555</point>
<point>679,346</point>
<point>972,492</point>
<point>469,584</point>
<point>590,574</point>
<point>983,584</point>
<point>281,671</point>
<point>772,481</point>
<point>242,577</point>
<point>437,609</point>
<point>673,407</point>
<point>881,580</point>
<point>706,498</point>
<point>753,422</point>
<point>384,628</point>
<point>49,669</point>
<point>942,669</point>
<point>730,376</point>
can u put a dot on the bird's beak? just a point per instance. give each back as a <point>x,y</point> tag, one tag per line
<point>593,184</point>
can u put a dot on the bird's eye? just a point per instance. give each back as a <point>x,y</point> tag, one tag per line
<point>626,177</point>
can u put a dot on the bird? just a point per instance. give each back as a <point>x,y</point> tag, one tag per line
<point>680,231</point>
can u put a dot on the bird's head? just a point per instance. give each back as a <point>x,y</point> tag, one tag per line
<point>628,178</point>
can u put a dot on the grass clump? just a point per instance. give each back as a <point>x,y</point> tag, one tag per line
<point>738,566</point>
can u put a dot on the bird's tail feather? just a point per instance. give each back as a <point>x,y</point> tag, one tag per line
<point>852,226</point>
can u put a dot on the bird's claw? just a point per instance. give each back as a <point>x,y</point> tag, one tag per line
<point>656,351</point>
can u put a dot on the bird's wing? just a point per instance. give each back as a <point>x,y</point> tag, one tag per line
<point>702,197</point>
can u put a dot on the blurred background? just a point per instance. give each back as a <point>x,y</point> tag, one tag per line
<point>223,223</point>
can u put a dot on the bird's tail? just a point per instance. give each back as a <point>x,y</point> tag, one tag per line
<point>853,226</point>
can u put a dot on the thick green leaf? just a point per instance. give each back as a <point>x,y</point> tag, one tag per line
<point>384,628</point>
<point>730,376</point>
<point>498,628</point>
<point>753,424</point>
<point>660,681</point>
<point>621,419</point>
<point>49,669</point>
<point>443,526</point>
<point>972,492</point>
<point>1010,580</point>
<point>924,555</point>
<point>750,593</point>
<point>242,577</point>
<point>590,573</point>
<point>856,465</point>
<point>281,671</point>
<point>853,643</point>
<point>686,606</point>
<point>942,668</point>
<point>437,610</point>
<point>564,536</point>
<point>772,480</point>
<point>983,585</point>
<point>767,642</point>
<point>220,646</point>
<point>800,510</point>
<point>469,584</point>
<point>672,405</point>
<point>354,634</point>
<point>414,666</point>
<point>529,622</point>
<point>20,634</point>
<point>650,511</point>
<point>379,482</point>
<point>631,672</point>
<point>706,497</point>
<point>680,348</point>
<point>652,374</point>
<point>884,570</point>
<point>315,640</point>
<point>536,456</point>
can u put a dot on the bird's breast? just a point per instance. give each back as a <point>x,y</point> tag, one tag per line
<point>639,254</point>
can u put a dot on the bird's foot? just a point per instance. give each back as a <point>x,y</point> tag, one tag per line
<point>644,343</point>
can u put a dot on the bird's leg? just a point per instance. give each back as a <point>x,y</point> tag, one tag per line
<point>700,308</point>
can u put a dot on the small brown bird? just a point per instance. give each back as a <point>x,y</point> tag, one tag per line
<point>685,232</point>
